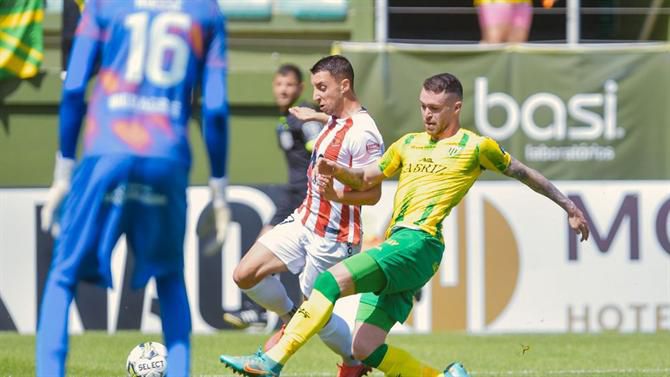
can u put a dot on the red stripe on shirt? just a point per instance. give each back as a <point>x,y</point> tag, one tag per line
<point>307,203</point>
<point>357,225</point>
<point>344,224</point>
<point>331,153</point>
<point>344,220</point>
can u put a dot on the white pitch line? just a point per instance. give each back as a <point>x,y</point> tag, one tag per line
<point>570,372</point>
<point>527,372</point>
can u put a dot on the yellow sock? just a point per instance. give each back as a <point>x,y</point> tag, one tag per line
<point>311,316</point>
<point>397,362</point>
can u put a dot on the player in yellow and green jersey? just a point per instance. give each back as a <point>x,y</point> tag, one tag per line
<point>437,168</point>
<point>436,174</point>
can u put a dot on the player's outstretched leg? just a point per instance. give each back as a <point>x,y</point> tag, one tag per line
<point>257,365</point>
<point>394,361</point>
<point>455,370</point>
<point>310,317</point>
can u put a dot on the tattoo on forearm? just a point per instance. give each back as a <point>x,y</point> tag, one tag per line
<point>538,183</point>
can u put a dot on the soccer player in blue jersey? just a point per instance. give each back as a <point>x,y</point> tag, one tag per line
<point>133,173</point>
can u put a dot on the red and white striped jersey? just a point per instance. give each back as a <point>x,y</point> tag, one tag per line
<point>354,142</point>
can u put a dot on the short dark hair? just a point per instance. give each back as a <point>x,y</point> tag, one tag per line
<point>286,69</point>
<point>336,65</point>
<point>444,82</point>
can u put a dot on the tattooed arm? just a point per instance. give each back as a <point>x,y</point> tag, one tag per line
<point>540,184</point>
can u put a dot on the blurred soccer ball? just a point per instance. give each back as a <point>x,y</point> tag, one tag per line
<point>148,359</point>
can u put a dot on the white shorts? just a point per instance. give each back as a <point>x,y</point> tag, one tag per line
<point>304,253</point>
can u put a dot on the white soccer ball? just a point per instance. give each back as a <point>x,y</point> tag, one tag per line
<point>148,359</point>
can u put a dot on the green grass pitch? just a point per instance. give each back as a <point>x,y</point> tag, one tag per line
<point>583,355</point>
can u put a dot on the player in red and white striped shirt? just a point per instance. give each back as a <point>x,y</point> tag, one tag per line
<point>352,141</point>
<point>327,227</point>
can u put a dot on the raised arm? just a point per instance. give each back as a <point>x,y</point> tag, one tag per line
<point>306,114</point>
<point>540,184</point>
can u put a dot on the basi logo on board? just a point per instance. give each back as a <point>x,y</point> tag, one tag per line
<point>585,126</point>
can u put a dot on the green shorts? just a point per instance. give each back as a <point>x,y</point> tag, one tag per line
<point>408,259</point>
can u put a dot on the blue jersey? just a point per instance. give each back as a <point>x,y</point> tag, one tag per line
<point>151,54</point>
<point>132,180</point>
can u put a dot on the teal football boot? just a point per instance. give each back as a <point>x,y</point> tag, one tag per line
<point>256,365</point>
<point>455,370</point>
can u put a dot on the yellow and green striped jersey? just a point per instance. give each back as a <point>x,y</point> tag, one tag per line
<point>21,43</point>
<point>436,175</point>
